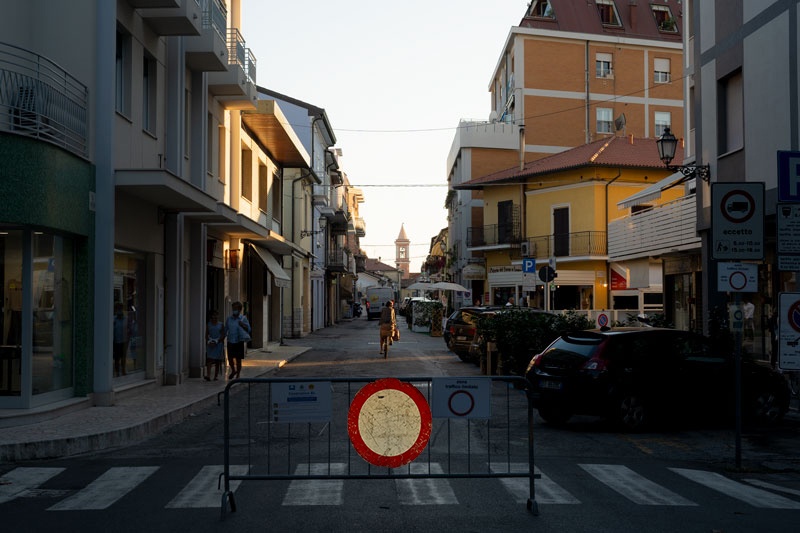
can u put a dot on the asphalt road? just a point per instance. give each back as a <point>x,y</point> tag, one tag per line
<point>593,478</point>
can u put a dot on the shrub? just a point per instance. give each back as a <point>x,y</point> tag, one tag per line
<point>426,312</point>
<point>519,333</point>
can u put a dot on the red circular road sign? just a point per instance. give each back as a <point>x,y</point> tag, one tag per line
<point>461,403</point>
<point>738,206</point>
<point>389,422</point>
<point>794,316</point>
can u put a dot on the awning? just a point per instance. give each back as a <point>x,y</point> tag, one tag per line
<point>282,279</point>
<point>652,192</point>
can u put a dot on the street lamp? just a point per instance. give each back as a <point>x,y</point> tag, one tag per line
<point>308,233</point>
<point>666,145</point>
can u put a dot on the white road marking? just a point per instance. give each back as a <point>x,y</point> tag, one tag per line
<point>105,490</point>
<point>636,488</point>
<point>316,491</point>
<point>202,490</point>
<point>17,481</point>
<point>740,491</point>
<point>545,489</point>
<point>771,486</point>
<point>425,491</point>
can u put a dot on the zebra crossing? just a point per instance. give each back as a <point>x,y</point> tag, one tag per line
<point>203,490</point>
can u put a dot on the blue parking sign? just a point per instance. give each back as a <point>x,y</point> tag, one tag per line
<point>788,176</point>
<point>529,265</point>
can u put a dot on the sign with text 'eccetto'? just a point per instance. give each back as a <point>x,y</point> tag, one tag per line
<point>737,221</point>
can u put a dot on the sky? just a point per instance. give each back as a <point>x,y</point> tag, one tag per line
<point>394,79</point>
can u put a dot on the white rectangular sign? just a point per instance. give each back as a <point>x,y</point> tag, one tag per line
<point>301,402</point>
<point>789,330</point>
<point>737,277</point>
<point>737,221</point>
<point>461,398</point>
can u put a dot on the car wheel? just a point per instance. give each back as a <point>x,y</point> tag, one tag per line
<point>555,416</point>
<point>632,413</point>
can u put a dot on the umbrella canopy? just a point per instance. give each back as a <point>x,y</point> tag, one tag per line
<point>448,286</point>
<point>421,286</point>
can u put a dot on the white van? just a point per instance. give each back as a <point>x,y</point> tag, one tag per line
<point>377,298</point>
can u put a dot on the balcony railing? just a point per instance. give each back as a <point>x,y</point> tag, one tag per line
<point>239,54</point>
<point>669,227</point>
<point>215,15</point>
<point>40,99</point>
<point>577,244</point>
<point>493,235</point>
<point>337,260</point>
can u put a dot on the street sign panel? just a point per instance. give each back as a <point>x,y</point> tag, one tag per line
<point>301,402</point>
<point>789,331</point>
<point>461,398</point>
<point>389,422</point>
<point>529,265</point>
<point>737,277</point>
<point>789,176</point>
<point>737,221</point>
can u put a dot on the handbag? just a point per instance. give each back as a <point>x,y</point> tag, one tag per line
<point>396,334</point>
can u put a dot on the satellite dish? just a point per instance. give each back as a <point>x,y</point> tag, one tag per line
<point>619,122</point>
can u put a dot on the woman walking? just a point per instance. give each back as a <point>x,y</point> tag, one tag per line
<point>237,331</point>
<point>387,324</point>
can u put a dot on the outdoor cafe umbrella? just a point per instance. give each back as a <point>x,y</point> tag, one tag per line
<point>421,286</point>
<point>449,286</point>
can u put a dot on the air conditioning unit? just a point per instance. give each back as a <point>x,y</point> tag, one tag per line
<point>524,249</point>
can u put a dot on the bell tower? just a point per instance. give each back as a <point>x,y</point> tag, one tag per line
<point>402,252</point>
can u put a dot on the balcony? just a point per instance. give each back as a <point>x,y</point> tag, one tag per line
<point>319,196</point>
<point>235,88</point>
<point>361,263</point>
<point>493,235</point>
<point>275,133</point>
<point>39,99</point>
<point>337,260</point>
<point>360,227</point>
<point>670,227</point>
<point>185,18</point>
<point>208,51</point>
<point>577,245</point>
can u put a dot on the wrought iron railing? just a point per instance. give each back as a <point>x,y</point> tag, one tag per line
<point>493,234</point>
<point>40,99</point>
<point>577,244</point>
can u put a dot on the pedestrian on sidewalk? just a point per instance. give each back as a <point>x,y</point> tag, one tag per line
<point>387,325</point>
<point>215,335</point>
<point>237,331</point>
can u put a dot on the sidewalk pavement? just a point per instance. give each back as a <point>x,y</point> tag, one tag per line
<point>141,409</point>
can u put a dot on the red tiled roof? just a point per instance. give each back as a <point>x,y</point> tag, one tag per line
<point>629,152</point>
<point>582,17</point>
<point>373,265</point>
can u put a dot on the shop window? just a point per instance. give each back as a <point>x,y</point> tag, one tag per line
<point>130,288</point>
<point>11,316</point>
<point>52,313</point>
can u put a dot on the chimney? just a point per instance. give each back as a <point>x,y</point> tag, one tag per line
<point>632,12</point>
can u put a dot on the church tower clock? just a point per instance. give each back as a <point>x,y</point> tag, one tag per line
<point>402,257</point>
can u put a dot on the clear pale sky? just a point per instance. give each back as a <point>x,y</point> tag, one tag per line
<point>385,72</point>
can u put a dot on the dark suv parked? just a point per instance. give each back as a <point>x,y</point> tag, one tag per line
<point>636,375</point>
<point>461,327</point>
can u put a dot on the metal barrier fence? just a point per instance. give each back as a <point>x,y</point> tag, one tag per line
<point>272,437</point>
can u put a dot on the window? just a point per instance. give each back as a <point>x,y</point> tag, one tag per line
<point>663,120</point>
<point>664,19</point>
<point>122,74</point>
<point>130,288</point>
<point>263,188</point>
<point>603,66</point>
<point>149,92</point>
<point>187,122</point>
<point>661,70</point>
<point>541,8</point>
<point>275,194</point>
<point>730,129</point>
<point>247,174</point>
<point>605,124</point>
<point>608,13</point>
<point>210,132</point>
